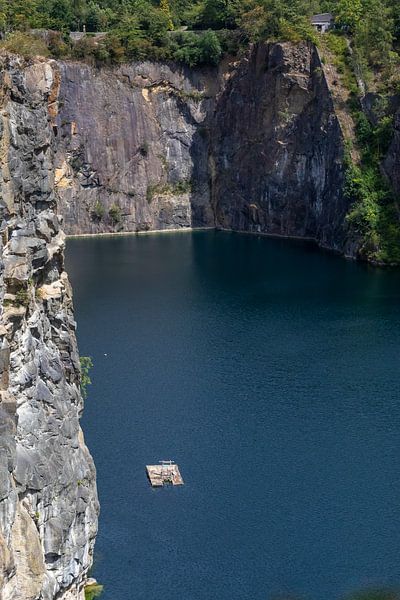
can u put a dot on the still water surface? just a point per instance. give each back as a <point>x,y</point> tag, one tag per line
<point>270,372</point>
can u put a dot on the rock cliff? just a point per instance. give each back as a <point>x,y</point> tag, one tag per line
<point>131,156</point>
<point>277,148</point>
<point>253,146</point>
<point>48,501</point>
<point>391,163</point>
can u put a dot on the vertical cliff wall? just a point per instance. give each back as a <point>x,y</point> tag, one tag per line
<point>131,154</point>
<point>48,502</point>
<point>277,148</point>
<point>391,163</point>
<point>254,146</point>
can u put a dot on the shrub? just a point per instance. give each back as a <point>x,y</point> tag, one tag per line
<point>84,48</point>
<point>25,44</point>
<point>22,297</point>
<point>86,364</point>
<point>197,49</point>
<point>56,45</point>
<point>93,590</point>
<point>115,213</point>
<point>98,211</point>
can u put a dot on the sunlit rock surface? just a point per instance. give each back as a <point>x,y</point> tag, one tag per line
<point>254,145</point>
<point>48,500</point>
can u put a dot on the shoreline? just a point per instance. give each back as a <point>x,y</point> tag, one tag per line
<point>277,236</point>
<point>189,229</point>
<point>128,233</point>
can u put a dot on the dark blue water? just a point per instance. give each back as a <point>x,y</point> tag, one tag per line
<point>270,372</point>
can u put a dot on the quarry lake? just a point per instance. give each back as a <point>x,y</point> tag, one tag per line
<point>269,371</point>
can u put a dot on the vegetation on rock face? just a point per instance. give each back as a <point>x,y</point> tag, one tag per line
<point>93,590</point>
<point>86,364</point>
<point>115,214</point>
<point>98,211</point>
<point>374,217</point>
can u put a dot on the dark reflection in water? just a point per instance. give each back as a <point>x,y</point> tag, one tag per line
<point>269,372</point>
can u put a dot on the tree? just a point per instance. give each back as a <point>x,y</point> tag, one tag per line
<point>165,8</point>
<point>274,19</point>
<point>86,364</point>
<point>374,33</point>
<point>349,13</point>
<point>210,48</point>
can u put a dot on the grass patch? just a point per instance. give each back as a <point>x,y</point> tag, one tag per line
<point>25,44</point>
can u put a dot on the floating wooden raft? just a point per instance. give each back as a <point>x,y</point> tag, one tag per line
<point>166,473</point>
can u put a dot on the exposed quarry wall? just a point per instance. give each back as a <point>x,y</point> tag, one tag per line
<point>48,501</point>
<point>277,148</point>
<point>253,146</point>
<point>130,138</point>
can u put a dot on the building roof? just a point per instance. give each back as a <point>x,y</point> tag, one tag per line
<point>322,18</point>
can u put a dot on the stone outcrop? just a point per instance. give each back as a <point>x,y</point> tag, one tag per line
<point>48,500</point>
<point>254,146</point>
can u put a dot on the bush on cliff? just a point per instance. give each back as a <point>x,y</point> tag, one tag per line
<point>374,215</point>
<point>25,44</point>
<point>197,49</point>
<point>86,364</point>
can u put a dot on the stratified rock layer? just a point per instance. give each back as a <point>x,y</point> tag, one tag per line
<point>48,500</point>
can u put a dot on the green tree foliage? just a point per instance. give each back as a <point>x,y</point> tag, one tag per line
<point>165,8</point>
<point>93,590</point>
<point>275,19</point>
<point>374,32</point>
<point>86,364</point>
<point>197,49</point>
<point>349,13</point>
<point>143,28</point>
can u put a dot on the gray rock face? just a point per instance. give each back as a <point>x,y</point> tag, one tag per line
<point>277,148</point>
<point>391,164</point>
<point>129,138</point>
<point>253,146</point>
<point>48,500</point>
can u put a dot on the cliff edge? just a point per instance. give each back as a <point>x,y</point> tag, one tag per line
<point>48,499</point>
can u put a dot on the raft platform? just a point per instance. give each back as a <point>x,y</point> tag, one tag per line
<point>166,473</point>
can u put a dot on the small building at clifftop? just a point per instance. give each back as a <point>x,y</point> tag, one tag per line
<point>322,22</point>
